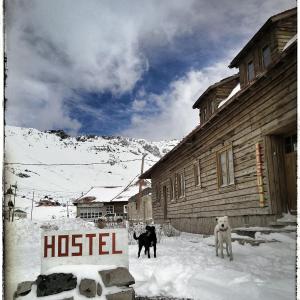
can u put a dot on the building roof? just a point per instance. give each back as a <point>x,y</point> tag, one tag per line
<point>144,192</point>
<point>288,13</point>
<point>108,194</point>
<point>191,136</point>
<point>20,211</point>
<point>215,85</point>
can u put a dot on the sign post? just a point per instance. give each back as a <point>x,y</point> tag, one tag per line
<point>97,247</point>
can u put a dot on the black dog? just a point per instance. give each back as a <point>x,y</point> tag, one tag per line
<point>147,240</point>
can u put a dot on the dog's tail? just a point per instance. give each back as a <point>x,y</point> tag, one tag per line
<point>135,237</point>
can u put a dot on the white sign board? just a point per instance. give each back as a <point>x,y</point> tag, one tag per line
<point>97,247</point>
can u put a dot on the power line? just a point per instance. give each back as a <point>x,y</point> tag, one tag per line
<point>72,164</point>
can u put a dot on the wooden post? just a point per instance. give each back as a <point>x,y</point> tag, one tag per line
<point>32,205</point>
<point>13,213</point>
<point>260,183</point>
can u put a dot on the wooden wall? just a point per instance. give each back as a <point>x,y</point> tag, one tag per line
<point>270,103</point>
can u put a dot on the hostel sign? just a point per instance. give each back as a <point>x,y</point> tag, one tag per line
<point>97,247</point>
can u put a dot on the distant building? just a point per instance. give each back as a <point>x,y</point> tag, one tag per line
<point>143,214</point>
<point>102,201</point>
<point>48,201</point>
<point>20,214</point>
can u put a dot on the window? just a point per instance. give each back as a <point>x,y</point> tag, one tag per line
<point>197,178</point>
<point>212,106</point>
<point>125,209</point>
<point>180,182</point>
<point>110,209</point>
<point>225,167</point>
<point>172,189</point>
<point>204,113</point>
<point>291,144</point>
<point>250,71</point>
<point>266,56</point>
<point>158,192</point>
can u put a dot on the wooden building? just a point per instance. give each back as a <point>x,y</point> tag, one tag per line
<point>241,160</point>
<point>144,212</point>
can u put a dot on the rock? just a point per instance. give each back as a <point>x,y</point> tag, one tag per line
<point>70,298</point>
<point>87,287</point>
<point>119,277</point>
<point>122,295</point>
<point>24,288</point>
<point>99,289</point>
<point>55,283</point>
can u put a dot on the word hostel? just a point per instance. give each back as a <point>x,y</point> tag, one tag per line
<point>65,245</point>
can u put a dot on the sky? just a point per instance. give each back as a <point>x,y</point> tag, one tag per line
<point>127,67</point>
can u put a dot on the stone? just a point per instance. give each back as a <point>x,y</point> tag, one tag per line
<point>99,289</point>
<point>24,288</point>
<point>55,283</point>
<point>122,295</point>
<point>119,277</point>
<point>87,287</point>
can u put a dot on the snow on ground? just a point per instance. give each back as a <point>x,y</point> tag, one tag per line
<point>186,266</point>
<point>105,162</point>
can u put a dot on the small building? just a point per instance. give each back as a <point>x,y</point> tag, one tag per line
<point>144,214</point>
<point>48,201</point>
<point>241,159</point>
<point>20,214</point>
<point>100,201</point>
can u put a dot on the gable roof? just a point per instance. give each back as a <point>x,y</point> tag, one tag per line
<point>215,85</point>
<point>260,32</point>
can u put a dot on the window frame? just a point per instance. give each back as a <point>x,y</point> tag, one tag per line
<point>229,175</point>
<point>267,46</point>
<point>197,167</point>
<point>108,211</point>
<point>248,73</point>
<point>172,188</point>
<point>180,184</point>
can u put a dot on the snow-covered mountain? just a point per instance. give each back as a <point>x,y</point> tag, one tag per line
<point>61,167</point>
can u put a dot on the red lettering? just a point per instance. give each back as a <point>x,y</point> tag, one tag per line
<point>90,236</point>
<point>102,243</point>
<point>49,246</point>
<point>60,238</point>
<point>79,245</point>
<point>114,251</point>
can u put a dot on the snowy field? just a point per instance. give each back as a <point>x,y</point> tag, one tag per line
<point>186,266</point>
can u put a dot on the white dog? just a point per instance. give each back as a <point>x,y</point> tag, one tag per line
<point>223,235</point>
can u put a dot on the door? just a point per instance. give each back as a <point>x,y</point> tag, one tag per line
<point>165,199</point>
<point>290,157</point>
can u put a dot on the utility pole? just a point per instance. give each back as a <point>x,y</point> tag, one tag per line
<point>32,205</point>
<point>13,213</point>
<point>141,181</point>
<point>67,209</point>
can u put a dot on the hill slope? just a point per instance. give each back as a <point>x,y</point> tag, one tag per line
<point>64,168</point>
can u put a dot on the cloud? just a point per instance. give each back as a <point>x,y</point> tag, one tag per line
<point>59,47</point>
<point>176,117</point>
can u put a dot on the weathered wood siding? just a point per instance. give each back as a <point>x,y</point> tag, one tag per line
<point>276,38</point>
<point>269,104</point>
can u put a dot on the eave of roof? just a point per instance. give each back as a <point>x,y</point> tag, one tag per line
<point>213,86</point>
<point>200,127</point>
<point>267,24</point>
